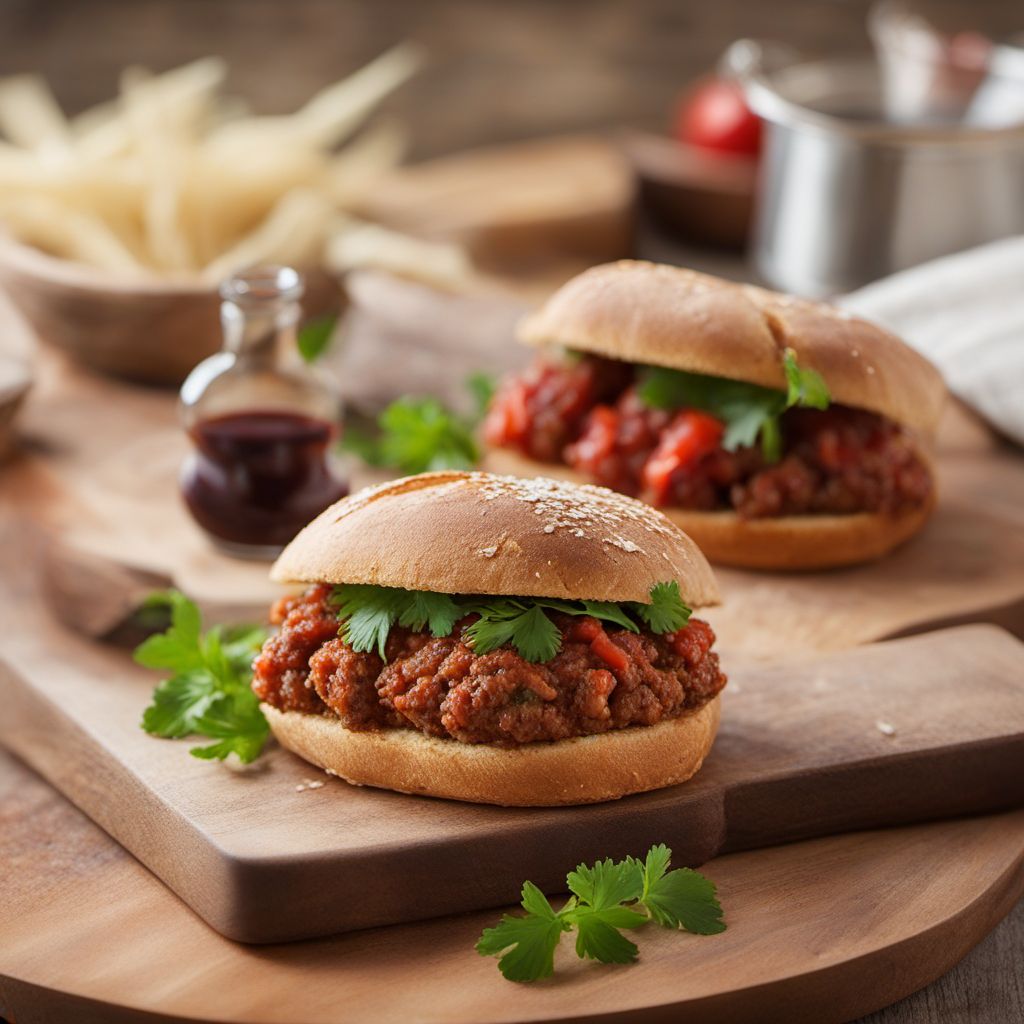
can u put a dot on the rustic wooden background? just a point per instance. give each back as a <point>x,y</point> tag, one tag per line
<point>499,70</point>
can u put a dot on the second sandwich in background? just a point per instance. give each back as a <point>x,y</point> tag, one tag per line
<point>778,433</point>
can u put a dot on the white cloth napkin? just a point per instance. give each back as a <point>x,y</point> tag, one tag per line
<point>965,313</point>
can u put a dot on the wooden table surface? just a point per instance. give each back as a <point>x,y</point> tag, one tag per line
<point>985,986</point>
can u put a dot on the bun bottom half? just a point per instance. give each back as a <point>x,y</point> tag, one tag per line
<point>783,542</point>
<point>582,770</point>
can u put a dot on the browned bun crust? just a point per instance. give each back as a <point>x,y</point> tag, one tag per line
<point>584,770</point>
<point>475,533</point>
<point>799,542</point>
<point>667,316</point>
<point>783,542</point>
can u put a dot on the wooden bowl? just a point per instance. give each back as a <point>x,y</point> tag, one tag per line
<point>15,380</point>
<point>696,195</point>
<point>143,329</point>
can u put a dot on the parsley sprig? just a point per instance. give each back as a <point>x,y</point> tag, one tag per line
<point>418,435</point>
<point>368,614</point>
<point>747,410</point>
<point>208,693</point>
<point>606,898</point>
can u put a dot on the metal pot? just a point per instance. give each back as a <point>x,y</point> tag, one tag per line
<point>845,197</point>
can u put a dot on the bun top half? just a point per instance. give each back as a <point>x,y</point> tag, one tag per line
<point>476,533</point>
<point>668,316</point>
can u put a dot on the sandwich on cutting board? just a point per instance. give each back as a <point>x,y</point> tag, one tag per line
<point>494,640</point>
<point>777,433</point>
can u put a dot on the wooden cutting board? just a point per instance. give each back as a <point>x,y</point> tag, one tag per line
<point>101,464</point>
<point>822,745</point>
<point>818,932</point>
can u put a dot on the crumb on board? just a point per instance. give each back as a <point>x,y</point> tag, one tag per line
<point>885,728</point>
<point>309,784</point>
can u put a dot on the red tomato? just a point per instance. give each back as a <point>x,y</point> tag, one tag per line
<point>690,435</point>
<point>715,115</point>
<point>597,441</point>
<point>609,652</point>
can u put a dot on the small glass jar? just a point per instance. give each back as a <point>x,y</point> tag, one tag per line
<point>262,421</point>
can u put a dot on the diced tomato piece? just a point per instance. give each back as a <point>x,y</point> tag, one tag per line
<point>691,435</point>
<point>609,652</point>
<point>583,630</point>
<point>597,441</point>
<point>692,642</point>
<point>508,420</point>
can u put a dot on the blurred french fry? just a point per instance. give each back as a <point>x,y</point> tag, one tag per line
<point>292,233</point>
<point>186,95</point>
<point>359,166</point>
<point>333,114</point>
<point>62,231</point>
<point>360,245</point>
<point>30,116</point>
<point>173,177</point>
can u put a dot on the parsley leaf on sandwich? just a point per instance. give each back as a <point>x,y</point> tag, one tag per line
<point>747,410</point>
<point>666,613</point>
<point>524,624</point>
<point>606,897</point>
<point>208,693</point>
<point>369,612</point>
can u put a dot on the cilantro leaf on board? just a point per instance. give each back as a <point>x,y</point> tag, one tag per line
<point>420,434</point>
<point>526,945</point>
<point>598,936</point>
<point>748,411</point>
<point>607,897</point>
<point>314,337</point>
<point>177,648</point>
<point>178,703</point>
<point>606,883</point>
<point>481,387</point>
<point>679,899</point>
<point>209,693</point>
<point>239,726</point>
<point>416,435</point>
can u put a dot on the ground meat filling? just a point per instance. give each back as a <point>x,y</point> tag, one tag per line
<point>586,414</point>
<point>601,679</point>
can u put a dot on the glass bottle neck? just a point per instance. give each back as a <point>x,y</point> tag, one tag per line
<point>261,332</point>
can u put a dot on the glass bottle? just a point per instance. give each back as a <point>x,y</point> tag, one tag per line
<point>262,421</point>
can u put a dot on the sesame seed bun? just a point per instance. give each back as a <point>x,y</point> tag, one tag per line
<point>667,316</point>
<point>779,542</point>
<point>584,770</point>
<point>475,533</point>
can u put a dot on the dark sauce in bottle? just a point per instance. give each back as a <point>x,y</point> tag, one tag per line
<point>257,477</point>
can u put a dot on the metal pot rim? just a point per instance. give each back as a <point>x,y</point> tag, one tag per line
<point>747,60</point>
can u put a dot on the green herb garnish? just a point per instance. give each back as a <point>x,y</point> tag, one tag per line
<point>314,337</point>
<point>417,435</point>
<point>747,410</point>
<point>369,612</point>
<point>606,898</point>
<point>209,693</point>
